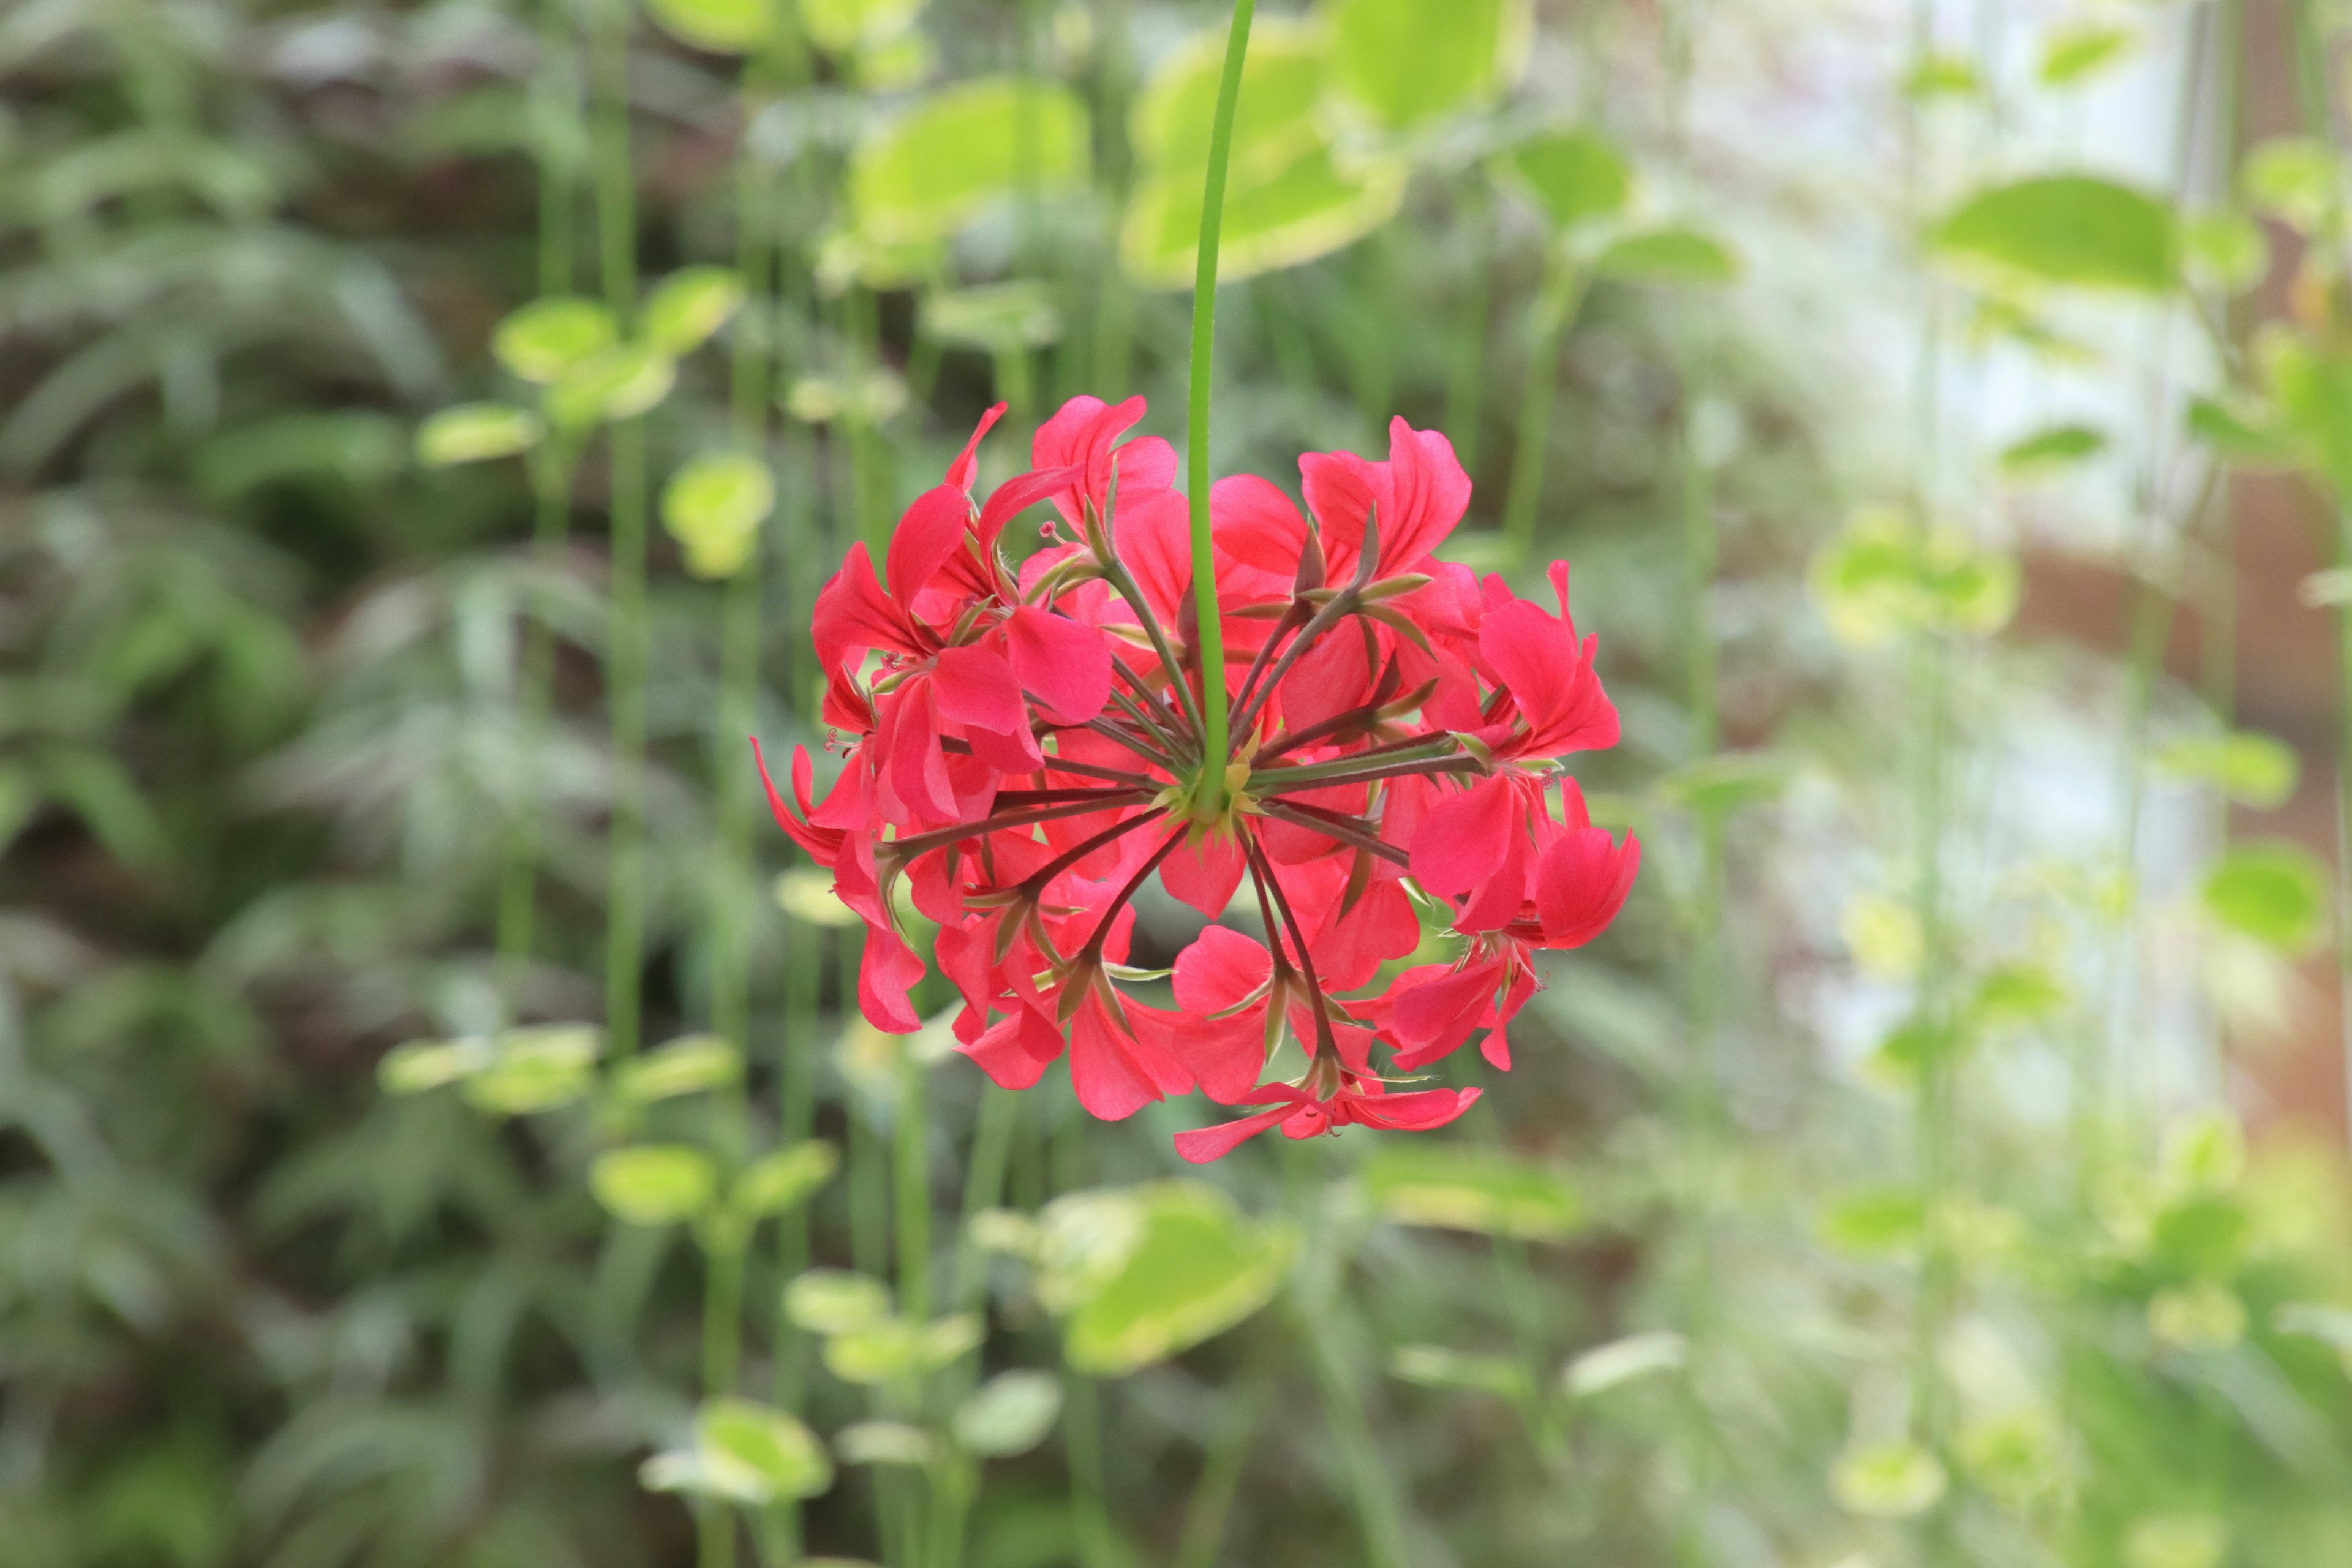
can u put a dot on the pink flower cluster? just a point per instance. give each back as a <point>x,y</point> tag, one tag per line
<point>1024,749</point>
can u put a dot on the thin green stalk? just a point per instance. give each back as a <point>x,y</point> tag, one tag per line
<point>1082,1440</point>
<point>911,1129</point>
<point>2343,808</point>
<point>1554,307</point>
<point>1525,1301</point>
<point>868,463</point>
<point>869,1197</point>
<point>518,894</point>
<point>1212,651</point>
<point>625,669</point>
<point>722,1353</point>
<point>1220,1470</point>
<point>992,1147</point>
<point>1374,1494</point>
<point>795,1123</point>
<point>1464,394</point>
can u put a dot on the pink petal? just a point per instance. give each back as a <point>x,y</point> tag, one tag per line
<point>975,686</point>
<point>1065,664</point>
<point>1204,1144</point>
<point>1203,874</point>
<point>1428,494</point>
<point>1459,843</point>
<point>927,536</point>
<point>1582,883</point>
<point>853,614</point>
<point>1256,524</point>
<point>1218,970</point>
<point>967,463</point>
<point>887,970</point>
<point>1018,493</point>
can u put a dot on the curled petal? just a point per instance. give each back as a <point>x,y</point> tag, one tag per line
<point>1065,664</point>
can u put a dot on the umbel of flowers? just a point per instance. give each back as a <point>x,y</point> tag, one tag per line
<point>1024,747</point>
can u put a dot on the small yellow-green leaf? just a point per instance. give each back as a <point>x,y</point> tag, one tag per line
<point>2048,451</point>
<point>1574,176</point>
<point>686,307</point>
<point>548,337</point>
<point>2073,54</point>
<point>844,27</point>
<point>2018,992</point>
<point>1311,208</point>
<point>2069,229</point>
<point>944,1340</point>
<point>2177,1541</point>
<point>836,1301</point>
<point>2297,179</point>
<point>691,1064</point>
<point>2205,1316</point>
<point>1942,76</point>
<point>879,1352</point>
<point>1195,1269</point>
<point>1883,934</point>
<point>1458,1186</point>
<point>1406,63</point>
<point>655,1184</point>
<point>2240,431</point>
<point>621,383</point>
<point>807,895</point>
<point>1882,578</point>
<point>2223,250</point>
<point>2252,768</point>
<point>1888,1480</point>
<point>781,1180</point>
<point>2204,1152</point>
<point>1880,1224</point>
<point>995,318</point>
<point>713,506</point>
<point>1624,1361</point>
<point>926,174</point>
<point>721,26</point>
<point>1682,258</point>
<point>2272,891</point>
<point>1009,1415</point>
<point>535,1069</point>
<point>883,1442</point>
<point>1726,783</point>
<point>1438,1366</point>
<point>423,1064</point>
<point>475,432</point>
<point>782,1455</point>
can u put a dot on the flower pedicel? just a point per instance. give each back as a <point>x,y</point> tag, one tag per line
<point>1023,749</point>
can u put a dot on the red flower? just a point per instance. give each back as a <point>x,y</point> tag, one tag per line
<point>1022,752</point>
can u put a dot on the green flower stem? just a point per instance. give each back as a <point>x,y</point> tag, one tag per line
<point>1082,1441</point>
<point>991,1148</point>
<point>1524,1298</point>
<point>518,890</point>
<point>795,1123</point>
<point>911,1132</point>
<point>1465,392</point>
<point>1372,1489</point>
<point>722,1348</point>
<point>626,663</point>
<point>1220,1471</point>
<point>869,477</point>
<point>1212,650</point>
<point>1555,307</point>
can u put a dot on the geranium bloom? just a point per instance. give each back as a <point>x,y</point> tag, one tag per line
<point>1025,750</point>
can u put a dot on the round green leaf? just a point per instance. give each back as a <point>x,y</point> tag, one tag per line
<point>2293,178</point>
<point>2223,250</point>
<point>686,307</point>
<point>692,1064</point>
<point>533,1070</point>
<point>1195,1268</point>
<point>1406,63</point>
<point>473,432</point>
<point>548,337</point>
<point>844,27</point>
<point>1682,257</point>
<point>1011,1414</point>
<point>835,1301</point>
<point>759,1441</point>
<point>781,1181</point>
<point>1273,119</point>
<point>2074,230</point>
<point>878,1353</point>
<point>2177,1541</point>
<point>721,26</point>
<point>2273,893</point>
<point>621,383</point>
<point>2048,451</point>
<point>713,506</point>
<point>1888,1480</point>
<point>2077,53</point>
<point>1456,1186</point>
<point>2252,768</point>
<point>883,1442</point>
<point>1311,208</point>
<point>423,1064</point>
<point>923,177</point>
<point>1575,176</point>
<point>655,1184</point>
<point>997,317</point>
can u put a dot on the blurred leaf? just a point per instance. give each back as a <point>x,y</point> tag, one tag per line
<point>1673,257</point>
<point>691,1064</point>
<point>420,1066</point>
<point>998,317</point>
<point>1888,1480</point>
<point>2245,437</point>
<point>883,1442</point>
<point>841,27</point>
<point>2202,1317</point>
<point>1942,76</point>
<point>2019,993</point>
<point>721,26</point>
<point>1458,1186</point>
<point>1621,1361</point>
<point>2073,54</point>
<point>1574,176</point>
<point>2273,893</point>
<point>2297,179</point>
<point>1877,1223</point>
<point>1435,1366</point>
<point>1883,934</point>
<point>714,506</point>
<point>1406,63</point>
<point>687,307</point>
<point>2223,250</point>
<point>655,1184</point>
<point>617,384</point>
<point>1274,120</point>
<point>2047,451</point>
<point>2205,1152</point>
<point>1010,1414</point>
<point>781,1181</point>
<point>1726,783</point>
<point>2199,1234</point>
<point>937,167</point>
<point>2070,229</point>
<point>473,432</point>
<point>807,895</point>
<point>2251,768</point>
<point>1882,578</point>
<point>835,1301</point>
<point>534,1069</point>
<point>1192,1269</point>
<point>352,446</point>
<point>773,1451</point>
<point>2177,1541</point>
<point>547,339</point>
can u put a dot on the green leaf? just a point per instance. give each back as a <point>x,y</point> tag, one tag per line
<point>1192,1269</point>
<point>928,174</point>
<point>2245,435</point>
<point>1407,63</point>
<point>721,26</point>
<point>2251,768</point>
<point>2204,1153</point>
<point>421,1066</point>
<point>2297,179</point>
<point>2069,229</point>
<point>2205,1315</point>
<point>688,307</point>
<point>691,1064</point>
<point>2073,54</point>
<point>1275,120</point>
<point>1624,1361</point>
<point>807,895</point>
<point>843,26</point>
<point>2048,451</point>
<point>1437,1366</point>
<point>2313,392</point>
<point>548,337</point>
<point>835,1301</point>
<point>1457,1186</point>
<point>996,318</point>
<point>2018,992</point>
<point>533,1070</point>
<point>1675,257</point>
<point>1942,76</point>
<point>619,384</point>
<point>781,1181</point>
<point>2223,250</point>
<point>1888,1480</point>
<point>878,1353</point>
<point>713,506</point>
<point>883,1442</point>
<point>1574,176</point>
<point>1725,784</point>
<point>476,432</point>
<point>1009,1415</point>
<point>1884,578</point>
<point>655,1184</point>
<point>1887,1223</point>
<point>781,1455</point>
<point>2177,1541</point>
<point>2272,891</point>
<point>1312,208</point>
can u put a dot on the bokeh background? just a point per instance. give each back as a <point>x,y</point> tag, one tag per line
<point>1945,409</point>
